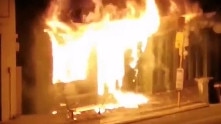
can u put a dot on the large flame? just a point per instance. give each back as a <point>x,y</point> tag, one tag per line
<point>108,30</point>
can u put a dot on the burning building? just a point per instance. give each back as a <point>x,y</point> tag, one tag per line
<point>110,33</point>
<point>117,50</point>
<point>128,57</point>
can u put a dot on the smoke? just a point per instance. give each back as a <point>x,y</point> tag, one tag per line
<point>184,7</point>
<point>206,20</point>
<point>192,11</point>
<point>42,64</point>
<point>195,17</point>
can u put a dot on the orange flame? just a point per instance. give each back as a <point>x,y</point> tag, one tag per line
<point>110,31</point>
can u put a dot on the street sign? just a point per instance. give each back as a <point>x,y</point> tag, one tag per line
<point>179,40</point>
<point>179,78</point>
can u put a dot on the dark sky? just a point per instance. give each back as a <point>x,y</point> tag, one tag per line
<point>209,5</point>
<point>39,5</point>
<point>29,9</point>
<point>32,8</point>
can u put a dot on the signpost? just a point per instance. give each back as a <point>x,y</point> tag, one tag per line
<point>179,83</point>
<point>179,78</point>
<point>181,42</point>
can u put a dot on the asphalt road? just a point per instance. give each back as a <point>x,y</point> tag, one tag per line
<point>207,115</point>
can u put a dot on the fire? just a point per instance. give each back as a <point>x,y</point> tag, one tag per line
<point>108,30</point>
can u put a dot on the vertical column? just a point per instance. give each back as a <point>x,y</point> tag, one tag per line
<point>0,77</point>
<point>205,57</point>
<point>8,61</point>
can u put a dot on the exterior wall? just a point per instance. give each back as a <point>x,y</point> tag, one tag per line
<point>8,57</point>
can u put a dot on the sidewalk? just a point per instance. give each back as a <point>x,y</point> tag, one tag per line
<point>207,115</point>
<point>161,105</point>
<point>194,116</point>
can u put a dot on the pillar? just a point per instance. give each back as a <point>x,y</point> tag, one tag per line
<point>8,60</point>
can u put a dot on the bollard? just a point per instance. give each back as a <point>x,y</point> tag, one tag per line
<point>202,84</point>
<point>217,86</point>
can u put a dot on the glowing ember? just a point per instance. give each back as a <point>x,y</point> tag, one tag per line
<point>130,100</point>
<point>62,104</point>
<point>111,32</point>
<point>54,112</point>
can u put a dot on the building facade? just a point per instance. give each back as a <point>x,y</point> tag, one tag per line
<point>8,85</point>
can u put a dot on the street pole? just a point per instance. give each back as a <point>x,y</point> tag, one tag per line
<point>180,67</point>
<point>180,43</point>
<point>179,71</point>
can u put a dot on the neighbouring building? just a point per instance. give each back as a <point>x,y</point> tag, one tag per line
<point>10,95</point>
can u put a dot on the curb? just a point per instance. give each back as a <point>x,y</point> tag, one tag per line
<point>154,114</point>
